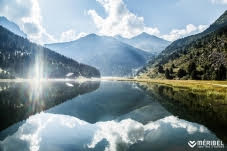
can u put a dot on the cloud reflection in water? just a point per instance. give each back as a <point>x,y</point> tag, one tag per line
<point>47,131</point>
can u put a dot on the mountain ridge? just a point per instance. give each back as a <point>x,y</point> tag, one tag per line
<point>201,56</point>
<point>110,56</point>
<point>18,58</point>
<point>220,22</point>
<point>11,26</point>
<point>146,42</point>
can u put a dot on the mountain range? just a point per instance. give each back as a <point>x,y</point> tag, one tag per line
<point>200,56</point>
<point>11,26</point>
<point>146,42</point>
<point>19,58</point>
<point>111,56</point>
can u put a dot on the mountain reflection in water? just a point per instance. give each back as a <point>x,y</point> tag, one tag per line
<point>20,100</point>
<point>191,105</point>
<point>117,116</point>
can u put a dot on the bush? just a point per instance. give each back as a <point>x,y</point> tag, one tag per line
<point>173,66</point>
<point>171,70</point>
<point>181,73</point>
<point>220,74</point>
<point>191,67</point>
<point>160,69</point>
<point>194,75</point>
<point>167,75</point>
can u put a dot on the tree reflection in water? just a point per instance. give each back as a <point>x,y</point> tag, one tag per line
<point>20,100</point>
<point>194,106</point>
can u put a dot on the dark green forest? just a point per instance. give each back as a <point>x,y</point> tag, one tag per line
<point>18,57</point>
<point>198,57</point>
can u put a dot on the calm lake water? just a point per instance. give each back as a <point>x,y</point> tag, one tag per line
<point>110,116</point>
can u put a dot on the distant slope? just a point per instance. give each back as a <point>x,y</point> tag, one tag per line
<point>146,42</point>
<point>110,56</point>
<point>201,56</point>
<point>11,26</point>
<point>181,43</point>
<point>18,57</point>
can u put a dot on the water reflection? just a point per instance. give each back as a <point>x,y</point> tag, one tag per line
<point>118,116</point>
<point>192,106</point>
<point>20,100</point>
<point>110,101</point>
<point>47,132</point>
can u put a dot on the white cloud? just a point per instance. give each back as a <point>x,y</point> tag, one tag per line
<point>126,132</point>
<point>201,28</point>
<point>189,127</point>
<point>27,15</point>
<point>43,131</point>
<point>42,127</point>
<point>219,1</point>
<point>179,33</point>
<point>129,132</point>
<point>81,34</point>
<point>119,20</point>
<point>71,35</point>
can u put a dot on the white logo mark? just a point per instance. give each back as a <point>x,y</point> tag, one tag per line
<point>192,144</point>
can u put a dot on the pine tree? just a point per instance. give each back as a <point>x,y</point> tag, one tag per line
<point>160,69</point>
<point>171,70</point>
<point>221,73</point>
<point>191,67</point>
<point>181,73</point>
<point>167,75</point>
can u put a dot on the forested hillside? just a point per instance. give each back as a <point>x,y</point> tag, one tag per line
<point>20,58</point>
<point>202,56</point>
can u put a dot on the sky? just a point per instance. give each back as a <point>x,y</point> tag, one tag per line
<point>50,21</point>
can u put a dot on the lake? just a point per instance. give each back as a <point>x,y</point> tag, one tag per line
<point>105,115</point>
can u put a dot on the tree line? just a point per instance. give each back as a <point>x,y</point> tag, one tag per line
<point>208,73</point>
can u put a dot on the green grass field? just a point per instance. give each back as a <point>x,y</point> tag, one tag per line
<point>211,89</point>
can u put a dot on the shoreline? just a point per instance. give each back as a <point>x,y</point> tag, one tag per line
<point>174,83</point>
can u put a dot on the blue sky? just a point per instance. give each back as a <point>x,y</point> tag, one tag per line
<point>47,21</point>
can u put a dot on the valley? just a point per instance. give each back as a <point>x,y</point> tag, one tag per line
<point>110,80</point>
<point>110,56</point>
